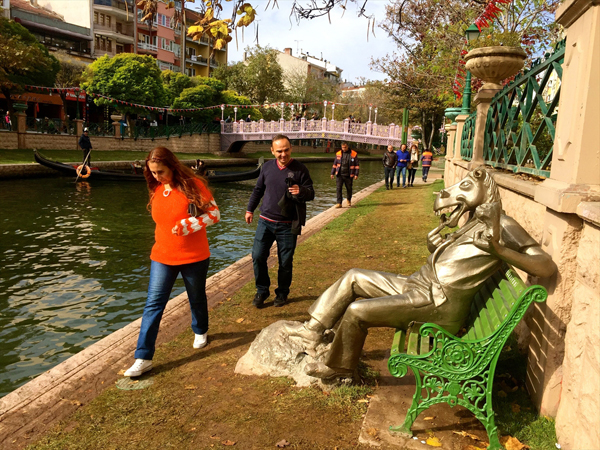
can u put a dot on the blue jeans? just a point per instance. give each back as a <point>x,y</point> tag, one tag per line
<point>162,279</point>
<point>398,171</point>
<point>425,173</point>
<point>267,233</point>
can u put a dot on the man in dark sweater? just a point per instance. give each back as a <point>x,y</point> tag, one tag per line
<point>86,146</point>
<point>284,185</point>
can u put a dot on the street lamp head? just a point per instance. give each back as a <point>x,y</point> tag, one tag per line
<point>235,109</point>
<point>472,32</point>
<point>325,103</point>
<point>222,107</point>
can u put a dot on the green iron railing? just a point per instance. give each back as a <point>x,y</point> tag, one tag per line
<point>50,126</point>
<point>100,129</point>
<point>466,142</point>
<point>521,121</point>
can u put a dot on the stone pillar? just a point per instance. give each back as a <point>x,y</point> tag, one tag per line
<point>117,127</point>
<point>21,129</point>
<point>346,126</point>
<point>223,126</point>
<point>482,102</point>
<point>282,125</point>
<point>261,125</point>
<point>78,127</point>
<point>303,124</point>
<point>451,129</point>
<point>571,388</point>
<point>324,123</point>
<point>369,128</point>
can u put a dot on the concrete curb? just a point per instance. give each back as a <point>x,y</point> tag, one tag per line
<point>35,407</point>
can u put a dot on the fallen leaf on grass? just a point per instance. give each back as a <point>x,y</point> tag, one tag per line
<point>281,444</point>
<point>76,402</point>
<point>434,442</point>
<point>512,443</point>
<point>190,387</point>
<point>472,447</point>
<point>363,400</point>
<point>515,407</point>
<point>501,394</point>
<point>121,372</point>
<point>228,299</point>
<point>431,418</point>
<point>465,434</point>
<point>214,436</point>
<point>373,432</point>
<point>228,442</point>
<point>240,320</point>
<point>223,365</point>
<point>193,429</point>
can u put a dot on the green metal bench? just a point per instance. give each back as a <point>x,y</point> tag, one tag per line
<point>460,370</point>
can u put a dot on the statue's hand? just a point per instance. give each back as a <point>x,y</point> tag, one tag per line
<point>489,238</point>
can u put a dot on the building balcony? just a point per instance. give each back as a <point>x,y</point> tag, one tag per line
<point>117,8</point>
<point>203,40</point>
<point>147,47</point>
<point>111,32</point>
<point>199,60</point>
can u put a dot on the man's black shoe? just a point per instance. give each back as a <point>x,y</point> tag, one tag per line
<point>280,300</point>
<point>259,299</point>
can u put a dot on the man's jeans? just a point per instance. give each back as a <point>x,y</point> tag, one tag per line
<point>266,233</point>
<point>403,171</point>
<point>425,173</point>
<point>162,279</point>
<point>389,175</point>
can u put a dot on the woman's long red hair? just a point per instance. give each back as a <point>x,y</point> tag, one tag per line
<point>183,177</point>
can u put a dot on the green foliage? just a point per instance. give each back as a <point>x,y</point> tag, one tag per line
<point>197,97</point>
<point>260,77</point>
<point>214,83</point>
<point>506,39</point>
<point>232,98</point>
<point>127,77</point>
<point>174,84</point>
<point>23,60</point>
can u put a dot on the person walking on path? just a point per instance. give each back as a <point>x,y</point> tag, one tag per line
<point>426,158</point>
<point>86,145</point>
<point>413,164</point>
<point>345,170</point>
<point>389,165</point>
<point>284,185</point>
<point>182,207</point>
<point>403,158</point>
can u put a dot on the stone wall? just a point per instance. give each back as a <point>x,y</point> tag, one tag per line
<point>8,140</point>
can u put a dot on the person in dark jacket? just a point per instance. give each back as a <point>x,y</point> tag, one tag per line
<point>345,170</point>
<point>86,146</point>
<point>389,164</point>
<point>403,158</point>
<point>284,185</point>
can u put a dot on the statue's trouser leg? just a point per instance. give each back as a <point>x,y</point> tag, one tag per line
<point>329,308</point>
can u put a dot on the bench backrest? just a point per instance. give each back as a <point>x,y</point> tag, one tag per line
<point>493,303</point>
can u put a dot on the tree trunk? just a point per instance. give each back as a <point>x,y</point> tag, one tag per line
<point>432,131</point>
<point>9,102</point>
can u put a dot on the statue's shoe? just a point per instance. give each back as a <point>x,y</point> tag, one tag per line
<point>320,370</point>
<point>300,330</point>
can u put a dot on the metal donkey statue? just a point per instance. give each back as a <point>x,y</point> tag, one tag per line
<point>440,292</point>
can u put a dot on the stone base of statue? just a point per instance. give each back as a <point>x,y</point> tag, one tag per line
<point>276,354</point>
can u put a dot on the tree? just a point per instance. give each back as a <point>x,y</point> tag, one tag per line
<point>197,97</point>
<point>174,84</point>
<point>127,77</point>
<point>23,60</point>
<point>308,88</point>
<point>69,75</point>
<point>260,77</point>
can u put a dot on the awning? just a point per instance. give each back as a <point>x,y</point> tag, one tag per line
<point>57,31</point>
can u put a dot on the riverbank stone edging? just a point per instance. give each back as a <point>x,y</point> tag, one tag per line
<point>38,405</point>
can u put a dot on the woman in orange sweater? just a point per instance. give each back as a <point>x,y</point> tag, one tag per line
<point>182,207</point>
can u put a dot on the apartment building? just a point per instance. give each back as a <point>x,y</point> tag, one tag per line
<point>198,61</point>
<point>114,27</point>
<point>309,65</point>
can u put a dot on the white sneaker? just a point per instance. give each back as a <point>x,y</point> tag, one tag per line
<point>139,367</point>
<point>201,340</point>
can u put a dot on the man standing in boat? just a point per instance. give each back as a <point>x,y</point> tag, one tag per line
<point>86,146</point>
<point>284,185</point>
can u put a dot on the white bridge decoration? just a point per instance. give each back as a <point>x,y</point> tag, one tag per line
<point>234,135</point>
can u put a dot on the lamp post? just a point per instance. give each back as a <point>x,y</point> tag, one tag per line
<point>292,108</point>
<point>282,105</point>
<point>332,110</point>
<point>375,116</point>
<point>77,98</point>
<point>222,111</point>
<point>235,114</point>
<point>471,33</point>
<point>325,108</point>
<point>370,108</point>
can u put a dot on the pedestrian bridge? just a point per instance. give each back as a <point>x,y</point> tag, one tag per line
<point>235,135</point>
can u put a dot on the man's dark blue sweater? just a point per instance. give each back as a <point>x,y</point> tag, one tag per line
<point>272,186</point>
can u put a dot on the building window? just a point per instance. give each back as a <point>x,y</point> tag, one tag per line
<point>108,19</point>
<point>120,49</point>
<point>95,17</point>
<point>102,19</point>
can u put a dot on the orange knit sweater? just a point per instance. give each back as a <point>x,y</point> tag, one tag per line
<point>190,244</point>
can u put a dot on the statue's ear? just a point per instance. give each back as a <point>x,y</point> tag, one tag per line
<point>478,174</point>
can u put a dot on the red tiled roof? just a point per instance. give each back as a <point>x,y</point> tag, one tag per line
<point>25,5</point>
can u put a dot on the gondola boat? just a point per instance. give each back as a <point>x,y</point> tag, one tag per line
<point>136,172</point>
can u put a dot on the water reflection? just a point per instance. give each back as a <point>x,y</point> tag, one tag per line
<point>75,260</point>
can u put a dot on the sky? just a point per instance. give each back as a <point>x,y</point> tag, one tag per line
<point>343,42</point>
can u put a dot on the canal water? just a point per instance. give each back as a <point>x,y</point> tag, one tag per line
<point>74,260</point>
